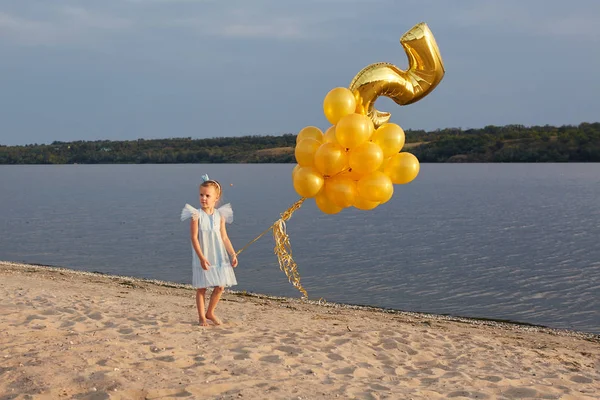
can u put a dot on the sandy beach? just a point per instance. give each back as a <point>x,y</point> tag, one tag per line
<point>68,334</point>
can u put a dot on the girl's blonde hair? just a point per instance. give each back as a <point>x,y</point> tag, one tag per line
<point>213,183</point>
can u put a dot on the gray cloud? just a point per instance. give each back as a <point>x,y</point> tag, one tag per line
<point>122,69</point>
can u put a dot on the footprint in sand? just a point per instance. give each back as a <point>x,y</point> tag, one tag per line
<point>289,350</point>
<point>470,395</point>
<point>339,342</point>
<point>165,358</point>
<point>125,331</point>
<point>376,386</point>
<point>390,344</point>
<point>95,316</point>
<point>93,396</point>
<point>491,378</point>
<point>271,359</point>
<point>243,353</point>
<point>32,317</point>
<point>520,393</point>
<point>429,381</point>
<point>344,371</point>
<point>335,357</point>
<point>580,379</point>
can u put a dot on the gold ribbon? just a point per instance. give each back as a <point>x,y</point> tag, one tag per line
<point>283,247</point>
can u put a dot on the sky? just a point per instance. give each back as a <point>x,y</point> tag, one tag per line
<point>130,69</point>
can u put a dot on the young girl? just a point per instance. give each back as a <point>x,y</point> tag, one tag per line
<point>211,267</point>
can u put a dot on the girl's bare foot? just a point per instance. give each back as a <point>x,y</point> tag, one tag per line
<point>203,322</point>
<point>214,319</point>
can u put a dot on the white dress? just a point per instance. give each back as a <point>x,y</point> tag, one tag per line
<point>220,272</point>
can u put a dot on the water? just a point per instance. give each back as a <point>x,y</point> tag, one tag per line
<point>502,241</point>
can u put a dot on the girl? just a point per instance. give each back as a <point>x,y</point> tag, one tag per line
<point>211,267</point>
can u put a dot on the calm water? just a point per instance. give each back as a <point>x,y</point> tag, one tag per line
<point>505,241</point>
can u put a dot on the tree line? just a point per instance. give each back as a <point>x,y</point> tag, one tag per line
<point>510,143</point>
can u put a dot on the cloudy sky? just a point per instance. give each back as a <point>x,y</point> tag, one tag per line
<point>129,69</point>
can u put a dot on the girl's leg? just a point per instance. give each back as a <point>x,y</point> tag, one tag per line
<point>214,299</point>
<point>200,304</point>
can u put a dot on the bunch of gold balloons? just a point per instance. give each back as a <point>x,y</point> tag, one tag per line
<point>352,164</point>
<point>356,162</point>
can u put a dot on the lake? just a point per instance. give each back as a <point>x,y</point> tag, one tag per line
<point>502,241</point>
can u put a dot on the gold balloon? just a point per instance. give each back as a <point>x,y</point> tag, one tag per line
<point>365,158</point>
<point>389,197</point>
<point>308,181</point>
<point>353,130</point>
<point>402,168</point>
<point>341,190</point>
<point>325,204</point>
<point>352,174</point>
<point>339,102</point>
<point>375,187</point>
<point>363,204</point>
<point>305,152</point>
<point>296,168</point>
<point>425,72</point>
<point>383,164</point>
<point>329,136</point>
<point>390,137</point>
<point>310,132</point>
<point>330,159</point>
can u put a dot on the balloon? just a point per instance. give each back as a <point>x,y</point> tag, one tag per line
<point>375,187</point>
<point>363,204</point>
<point>339,102</point>
<point>325,204</point>
<point>390,196</point>
<point>308,181</point>
<point>365,158</point>
<point>425,72</point>
<point>310,132</point>
<point>329,136</point>
<point>330,159</point>
<point>352,174</point>
<point>305,152</point>
<point>341,190</point>
<point>390,137</point>
<point>402,168</point>
<point>383,164</point>
<point>296,168</point>
<point>353,130</point>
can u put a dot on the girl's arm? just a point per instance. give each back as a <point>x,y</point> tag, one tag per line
<point>196,244</point>
<point>228,245</point>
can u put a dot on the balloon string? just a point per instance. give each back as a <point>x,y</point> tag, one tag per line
<point>283,247</point>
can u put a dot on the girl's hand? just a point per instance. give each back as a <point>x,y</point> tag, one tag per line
<point>204,263</point>
<point>234,261</point>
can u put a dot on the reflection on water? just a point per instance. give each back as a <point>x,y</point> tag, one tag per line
<point>506,241</point>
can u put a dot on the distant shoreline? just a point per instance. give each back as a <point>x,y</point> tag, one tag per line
<point>492,144</point>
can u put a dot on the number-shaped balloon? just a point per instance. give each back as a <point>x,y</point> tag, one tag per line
<point>425,71</point>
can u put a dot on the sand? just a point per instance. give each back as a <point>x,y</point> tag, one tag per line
<point>67,334</point>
